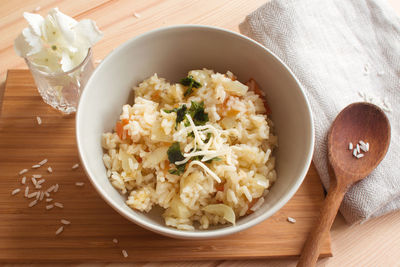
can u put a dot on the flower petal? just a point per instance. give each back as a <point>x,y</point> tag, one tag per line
<point>79,56</point>
<point>35,22</point>
<point>65,24</point>
<point>21,47</point>
<point>66,62</point>
<point>33,40</point>
<point>46,60</point>
<point>88,33</point>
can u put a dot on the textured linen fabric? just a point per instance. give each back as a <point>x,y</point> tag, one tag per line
<point>342,51</point>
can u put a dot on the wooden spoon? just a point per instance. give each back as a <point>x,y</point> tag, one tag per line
<point>358,121</point>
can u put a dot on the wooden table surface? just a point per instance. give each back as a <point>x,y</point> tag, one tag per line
<point>374,243</point>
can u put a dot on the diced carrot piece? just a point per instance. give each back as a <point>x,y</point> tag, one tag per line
<point>156,95</point>
<point>232,112</point>
<point>253,86</point>
<point>119,129</point>
<point>219,187</point>
<point>138,159</point>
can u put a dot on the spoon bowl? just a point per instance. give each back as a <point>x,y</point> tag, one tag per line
<point>357,122</point>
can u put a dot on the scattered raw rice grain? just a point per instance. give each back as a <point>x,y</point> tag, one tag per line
<point>360,155</point>
<point>358,148</point>
<point>41,196</point>
<point>350,146</point>
<point>366,68</point>
<point>115,241</point>
<point>355,152</point>
<point>23,180</point>
<point>41,181</point>
<point>49,207</point>
<point>23,171</point>
<point>50,189</point>
<point>39,120</point>
<point>75,166</point>
<point>26,191</point>
<point>49,169</point>
<point>291,220</point>
<point>31,195</point>
<point>33,203</point>
<point>38,186</point>
<point>37,176</point>
<point>79,184</point>
<point>125,253</point>
<point>15,191</point>
<point>63,221</point>
<point>43,162</point>
<point>59,230</point>
<point>34,182</point>
<point>59,205</point>
<point>36,166</point>
<point>136,15</point>
<point>46,194</point>
<point>38,195</point>
<point>56,188</point>
<point>49,199</point>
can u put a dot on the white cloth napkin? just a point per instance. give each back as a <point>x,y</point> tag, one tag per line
<point>342,51</point>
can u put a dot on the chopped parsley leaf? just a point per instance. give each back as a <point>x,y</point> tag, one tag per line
<point>174,154</point>
<point>190,82</point>
<point>215,159</point>
<point>196,111</point>
<point>179,169</point>
<point>180,113</point>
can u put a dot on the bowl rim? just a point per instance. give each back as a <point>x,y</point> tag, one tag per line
<point>199,234</point>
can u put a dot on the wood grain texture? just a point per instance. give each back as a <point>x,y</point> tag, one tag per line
<point>374,243</point>
<point>28,234</point>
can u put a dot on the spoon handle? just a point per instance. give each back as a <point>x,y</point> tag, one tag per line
<point>329,209</point>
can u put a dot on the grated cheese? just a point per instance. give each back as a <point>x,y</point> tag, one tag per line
<point>198,142</point>
<point>201,164</point>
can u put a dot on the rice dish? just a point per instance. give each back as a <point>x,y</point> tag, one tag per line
<point>201,149</point>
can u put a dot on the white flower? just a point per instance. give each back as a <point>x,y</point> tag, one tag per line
<point>57,42</point>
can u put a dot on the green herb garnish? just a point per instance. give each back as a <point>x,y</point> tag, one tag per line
<point>190,82</point>
<point>174,154</point>
<point>179,169</point>
<point>208,138</point>
<point>196,111</point>
<point>213,159</point>
<point>180,114</point>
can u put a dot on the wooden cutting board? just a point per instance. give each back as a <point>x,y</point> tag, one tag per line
<point>28,234</point>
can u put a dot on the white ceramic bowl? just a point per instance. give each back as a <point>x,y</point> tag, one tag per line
<point>171,52</point>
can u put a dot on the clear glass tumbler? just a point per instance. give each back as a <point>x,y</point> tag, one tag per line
<point>62,90</point>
